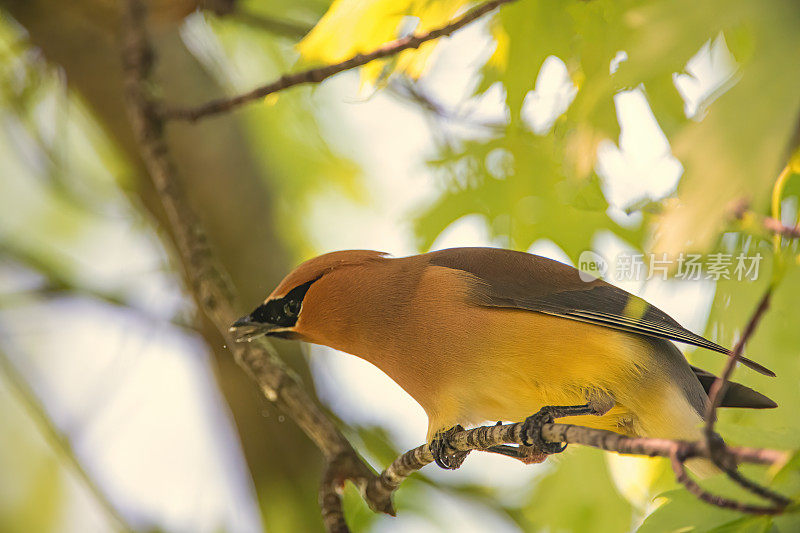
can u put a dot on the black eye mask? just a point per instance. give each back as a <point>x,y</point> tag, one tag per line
<point>284,311</point>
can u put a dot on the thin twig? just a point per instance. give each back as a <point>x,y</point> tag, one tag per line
<point>210,285</point>
<point>59,440</point>
<point>716,393</point>
<point>482,438</point>
<point>411,92</point>
<point>330,499</point>
<point>679,468</point>
<point>319,74</point>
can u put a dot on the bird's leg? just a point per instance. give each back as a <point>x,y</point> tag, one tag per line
<point>440,446</point>
<point>532,427</point>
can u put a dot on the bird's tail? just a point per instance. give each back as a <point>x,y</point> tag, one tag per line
<point>680,410</point>
<point>737,395</point>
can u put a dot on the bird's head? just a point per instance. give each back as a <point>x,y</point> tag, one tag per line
<point>282,313</point>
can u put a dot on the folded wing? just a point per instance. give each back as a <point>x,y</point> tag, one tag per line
<point>524,281</point>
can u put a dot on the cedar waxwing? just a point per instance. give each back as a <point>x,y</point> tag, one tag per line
<point>485,334</point>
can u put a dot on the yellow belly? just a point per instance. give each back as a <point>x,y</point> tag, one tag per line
<point>530,360</point>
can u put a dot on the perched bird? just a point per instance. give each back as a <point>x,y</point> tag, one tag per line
<point>485,334</point>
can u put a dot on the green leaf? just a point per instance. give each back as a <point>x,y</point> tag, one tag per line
<point>682,511</point>
<point>578,495</point>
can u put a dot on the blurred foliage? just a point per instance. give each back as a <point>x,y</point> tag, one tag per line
<point>730,154</point>
<point>62,179</point>
<point>578,495</point>
<point>34,502</point>
<point>285,133</point>
<point>492,178</point>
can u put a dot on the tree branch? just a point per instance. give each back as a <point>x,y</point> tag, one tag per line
<point>720,385</point>
<point>719,453</point>
<point>209,284</point>
<point>411,92</point>
<point>679,468</point>
<point>718,456</point>
<point>482,438</point>
<point>319,74</point>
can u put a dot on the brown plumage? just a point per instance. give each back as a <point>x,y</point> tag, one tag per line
<point>484,334</point>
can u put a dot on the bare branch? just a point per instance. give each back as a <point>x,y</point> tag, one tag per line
<point>482,438</point>
<point>717,392</point>
<point>410,91</point>
<point>330,499</point>
<point>330,504</point>
<point>678,466</point>
<point>209,284</point>
<point>319,74</point>
<point>719,453</point>
<point>720,385</point>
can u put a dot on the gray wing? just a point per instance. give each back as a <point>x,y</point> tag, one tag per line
<point>526,281</point>
<point>736,395</point>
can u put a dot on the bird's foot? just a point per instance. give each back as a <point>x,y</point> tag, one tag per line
<point>532,427</point>
<point>442,449</point>
<point>532,432</point>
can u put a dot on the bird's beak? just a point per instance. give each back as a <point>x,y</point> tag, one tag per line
<point>245,329</point>
<point>246,320</point>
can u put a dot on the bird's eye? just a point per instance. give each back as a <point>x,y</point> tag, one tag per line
<point>290,308</point>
